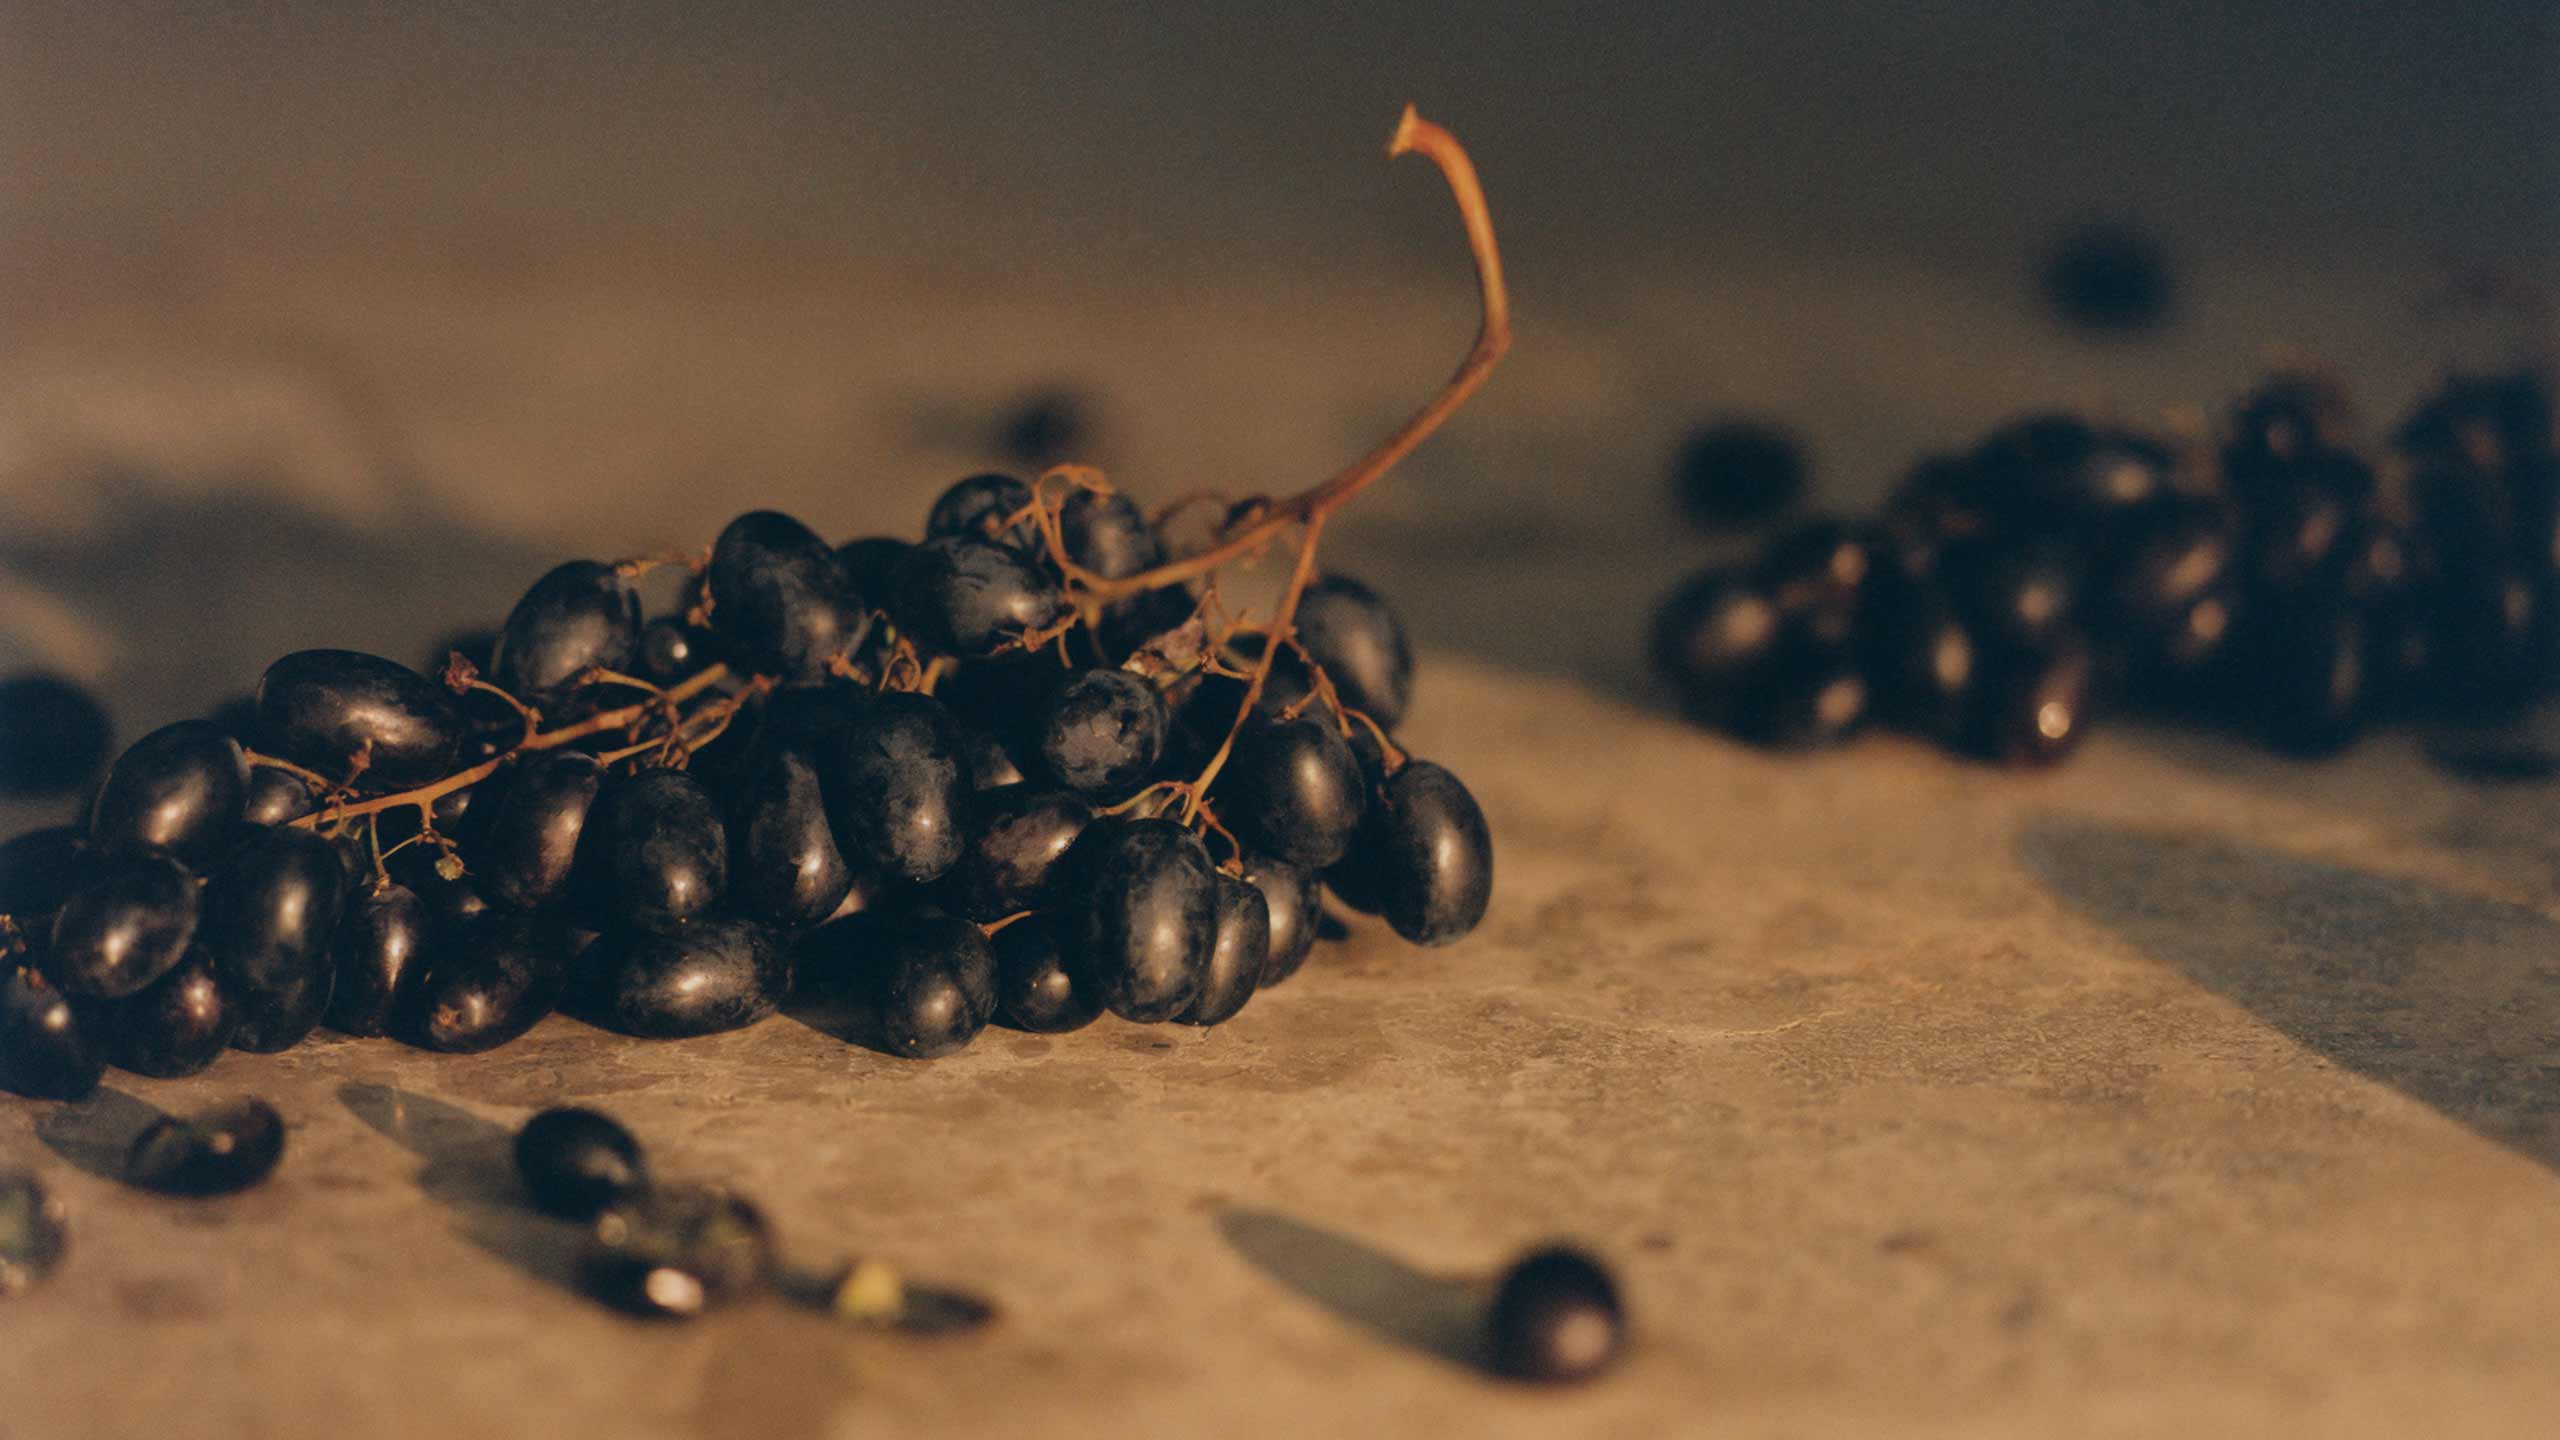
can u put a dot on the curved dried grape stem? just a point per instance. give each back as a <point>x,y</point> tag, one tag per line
<point>1310,508</point>
<point>427,795</point>
<point>1493,340</point>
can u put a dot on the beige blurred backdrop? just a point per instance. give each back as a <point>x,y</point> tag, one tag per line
<point>336,322</point>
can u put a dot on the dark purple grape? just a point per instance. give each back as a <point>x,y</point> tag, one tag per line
<point>2284,418</point>
<point>1354,634</point>
<point>1102,733</point>
<point>581,616</point>
<point>780,600</point>
<point>2026,472</point>
<point>894,788</point>
<point>2015,591</point>
<point>2175,556</point>
<point>176,789</point>
<point>2109,280</point>
<point>53,736</point>
<point>988,760</point>
<point>1709,635</point>
<point>971,598</point>
<point>936,985</point>
<point>1108,534</point>
<point>670,650</point>
<point>785,869</point>
<point>1017,835</point>
<point>323,708</point>
<point>1739,472</point>
<point>1204,709</point>
<point>2031,703</point>
<point>872,563</point>
<point>1555,1318</point>
<point>379,952</point>
<point>2492,634</point>
<point>2400,657</point>
<point>672,1252</point>
<point>45,1050</point>
<point>575,1163</point>
<point>39,870</point>
<point>1805,694</point>
<point>453,902</point>
<point>2181,656</point>
<point>2301,532</point>
<point>697,978</point>
<point>487,984</point>
<point>810,717</point>
<point>2306,677</point>
<point>1423,857</point>
<point>661,853</point>
<point>1940,502</point>
<point>222,1151</point>
<point>1141,918</point>
<point>2120,475</point>
<point>274,1020</point>
<point>125,927</point>
<point>273,908</point>
<point>528,847</point>
<point>871,892</point>
<point>176,1026</point>
<point>974,508</point>
<point>1133,622</point>
<point>1816,576</point>
<point>1293,900</point>
<point>1001,695</point>
<point>2502,418</point>
<point>1293,789</point>
<point>1919,662</point>
<point>459,815</point>
<point>1035,987</point>
<point>1237,956</point>
<point>275,797</point>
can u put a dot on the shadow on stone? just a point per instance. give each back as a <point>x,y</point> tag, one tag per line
<point>95,1134</point>
<point>2450,998</point>
<point>1430,1313</point>
<point>852,1023</point>
<point>470,1170</point>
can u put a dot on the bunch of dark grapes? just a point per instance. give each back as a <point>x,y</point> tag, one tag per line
<point>1029,765</point>
<point>2284,582</point>
<point>934,782</point>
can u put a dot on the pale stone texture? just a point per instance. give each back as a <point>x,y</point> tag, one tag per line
<point>2144,1098</point>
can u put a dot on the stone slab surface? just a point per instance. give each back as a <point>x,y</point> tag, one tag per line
<point>1909,1099</point>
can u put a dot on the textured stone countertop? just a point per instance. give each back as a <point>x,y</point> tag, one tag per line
<point>2180,1092</point>
<point>2183,1091</point>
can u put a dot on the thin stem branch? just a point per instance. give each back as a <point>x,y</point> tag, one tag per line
<point>1493,340</point>
<point>1281,620</point>
<point>320,784</point>
<point>531,717</point>
<point>596,724</point>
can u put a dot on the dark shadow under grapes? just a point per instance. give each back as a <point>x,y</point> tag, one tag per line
<point>2448,998</point>
<point>94,1135</point>
<point>470,1171</point>
<point>1433,1314</point>
<point>849,1021</point>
